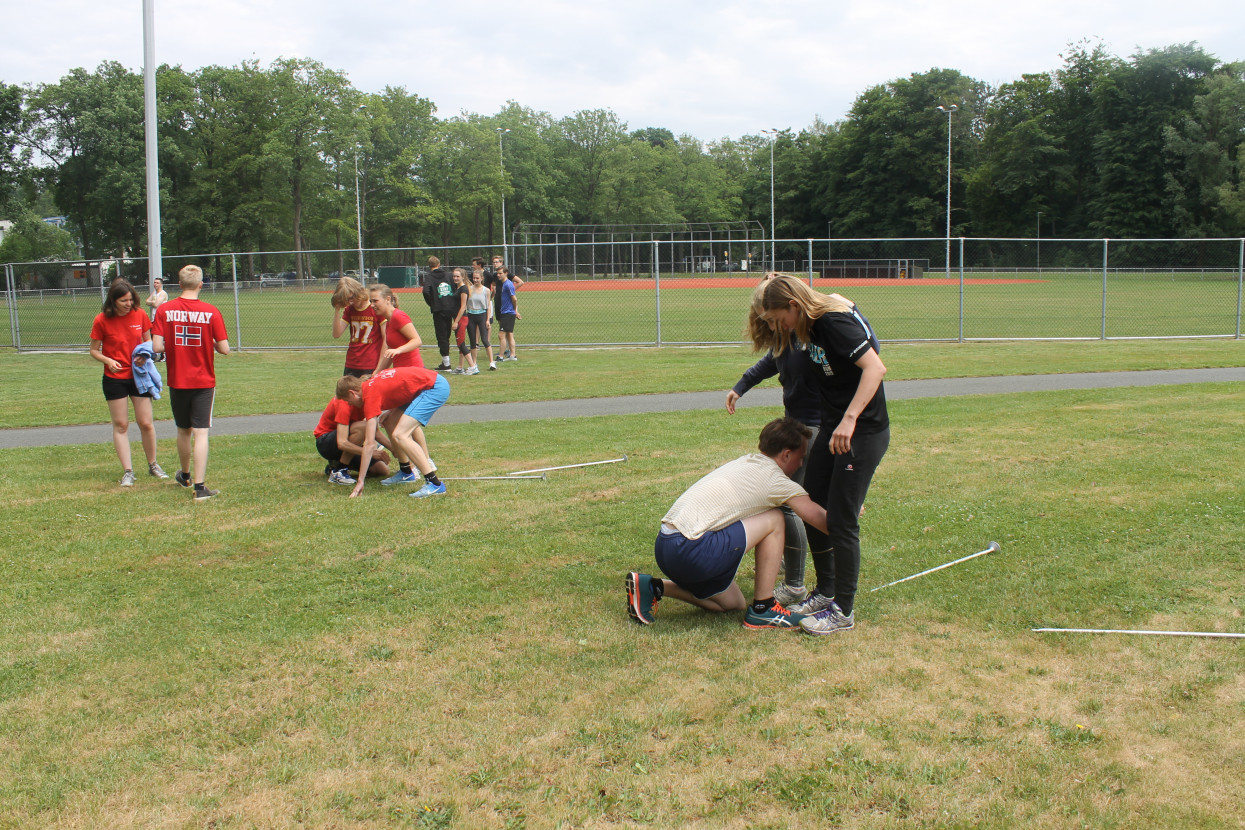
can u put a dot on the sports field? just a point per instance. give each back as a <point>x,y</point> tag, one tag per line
<point>283,656</point>
<point>704,310</point>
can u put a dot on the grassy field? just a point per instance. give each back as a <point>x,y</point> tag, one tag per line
<point>1056,306</point>
<point>285,657</point>
<point>57,389</point>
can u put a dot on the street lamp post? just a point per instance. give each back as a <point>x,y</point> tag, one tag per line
<point>358,207</point>
<point>501,158</point>
<point>773,134</point>
<point>949,111</point>
<point>1039,241</point>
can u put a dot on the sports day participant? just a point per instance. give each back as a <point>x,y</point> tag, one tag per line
<point>401,340</point>
<point>353,312</point>
<point>117,329</point>
<point>730,511</point>
<point>439,295</point>
<point>191,333</point>
<point>460,325</point>
<point>410,397</point>
<point>158,295</point>
<point>507,313</point>
<point>339,440</point>
<point>846,370</point>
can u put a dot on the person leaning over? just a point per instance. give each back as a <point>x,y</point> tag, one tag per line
<point>190,333</point>
<point>407,398</point>
<point>730,511</point>
<point>439,295</point>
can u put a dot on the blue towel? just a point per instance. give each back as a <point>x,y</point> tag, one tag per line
<point>146,376</point>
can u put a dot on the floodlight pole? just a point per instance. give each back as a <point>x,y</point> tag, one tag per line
<point>1039,241</point>
<point>949,111</point>
<point>155,268</point>
<point>501,157</point>
<point>773,134</point>
<point>358,207</point>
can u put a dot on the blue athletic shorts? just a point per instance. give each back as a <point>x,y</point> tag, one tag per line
<point>706,566</point>
<point>427,403</point>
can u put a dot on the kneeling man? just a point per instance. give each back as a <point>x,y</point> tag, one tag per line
<point>730,511</point>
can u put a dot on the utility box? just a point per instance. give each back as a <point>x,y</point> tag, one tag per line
<point>398,276</point>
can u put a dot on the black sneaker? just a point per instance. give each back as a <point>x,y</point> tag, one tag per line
<point>204,494</point>
<point>182,478</point>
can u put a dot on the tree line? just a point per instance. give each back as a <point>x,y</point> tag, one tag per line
<point>256,158</point>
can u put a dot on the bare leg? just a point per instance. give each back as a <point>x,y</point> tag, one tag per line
<point>146,427</point>
<point>119,412</point>
<point>200,453</point>
<point>732,599</point>
<point>184,442</point>
<point>408,435</point>
<point>766,532</point>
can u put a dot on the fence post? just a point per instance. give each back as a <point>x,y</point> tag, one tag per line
<point>11,286</point>
<point>1240,283</point>
<point>237,313</point>
<point>961,289</point>
<point>1105,243</point>
<point>657,283</point>
<point>810,263</point>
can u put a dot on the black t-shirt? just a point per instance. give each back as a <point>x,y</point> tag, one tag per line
<point>839,340</point>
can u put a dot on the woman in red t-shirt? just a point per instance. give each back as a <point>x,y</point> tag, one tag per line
<point>401,340</point>
<point>117,329</point>
<point>352,312</point>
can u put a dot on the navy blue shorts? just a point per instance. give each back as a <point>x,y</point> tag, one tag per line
<point>703,567</point>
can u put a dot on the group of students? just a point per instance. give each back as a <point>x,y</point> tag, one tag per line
<point>803,491</point>
<point>186,332</point>
<point>385,384</point>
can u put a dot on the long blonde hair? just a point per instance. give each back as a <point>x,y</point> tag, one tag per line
<point>777,292</point>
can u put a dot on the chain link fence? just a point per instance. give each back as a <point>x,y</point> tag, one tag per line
<point>671,292</point>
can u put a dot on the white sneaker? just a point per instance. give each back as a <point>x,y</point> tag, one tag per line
<point>789,595</point>
<point>829,621</point>
<point>474,370</point>
<point>492,367</point>
<point>812,604</point>
<point>127,480</point>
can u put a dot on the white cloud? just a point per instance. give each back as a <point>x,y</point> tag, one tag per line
<point>711,70</point>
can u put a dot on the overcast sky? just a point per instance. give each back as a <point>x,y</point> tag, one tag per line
<point>711,70</point>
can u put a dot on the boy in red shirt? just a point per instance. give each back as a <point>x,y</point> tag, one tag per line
<point>191,332</point>
<point>339,439</point>
<point>412,396</point>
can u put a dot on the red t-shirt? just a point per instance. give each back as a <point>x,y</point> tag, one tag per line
<point>337,412</point>
<point>190,329</point>
<point>119,336</point>
<point>364,327</point>
<point>394,387</point>
<point>394,339</point>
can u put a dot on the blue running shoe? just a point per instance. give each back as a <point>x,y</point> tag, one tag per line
<point>640,598</point>
<point>429,489</point>
<point>773,617</point>
<point>400,478</point>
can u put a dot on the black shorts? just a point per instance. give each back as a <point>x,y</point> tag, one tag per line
<point>506,322</point>
<point>356,373</point>
<point>326,445</point>
<point>117,388</point>
<point>192,408</point>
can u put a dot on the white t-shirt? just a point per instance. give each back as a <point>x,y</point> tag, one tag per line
<point>749,485</point>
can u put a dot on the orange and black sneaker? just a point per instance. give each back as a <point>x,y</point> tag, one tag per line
<point>773,617</point>
<point>641,600</point>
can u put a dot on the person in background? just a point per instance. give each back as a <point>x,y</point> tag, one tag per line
<point>479,308</point>
<point>461,290</point>
<point>508,312</point>
<point>119,327</point>
<point>439,295</point>
<point>158,295</point>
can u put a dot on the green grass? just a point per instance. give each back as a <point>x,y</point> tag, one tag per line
<point>285,656</point>
<point>67,385</point>
<point>1060,305</point>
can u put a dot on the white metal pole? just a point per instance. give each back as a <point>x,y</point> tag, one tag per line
<point>948,110</point>
<point>501,157</point>
<point>358,207</point>
<point>1130,631</point>
<point>151,139</point>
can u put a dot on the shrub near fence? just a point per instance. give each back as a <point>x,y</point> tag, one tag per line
<point>991,289</point>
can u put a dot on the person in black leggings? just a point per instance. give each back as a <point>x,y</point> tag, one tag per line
<point>845,368</point>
